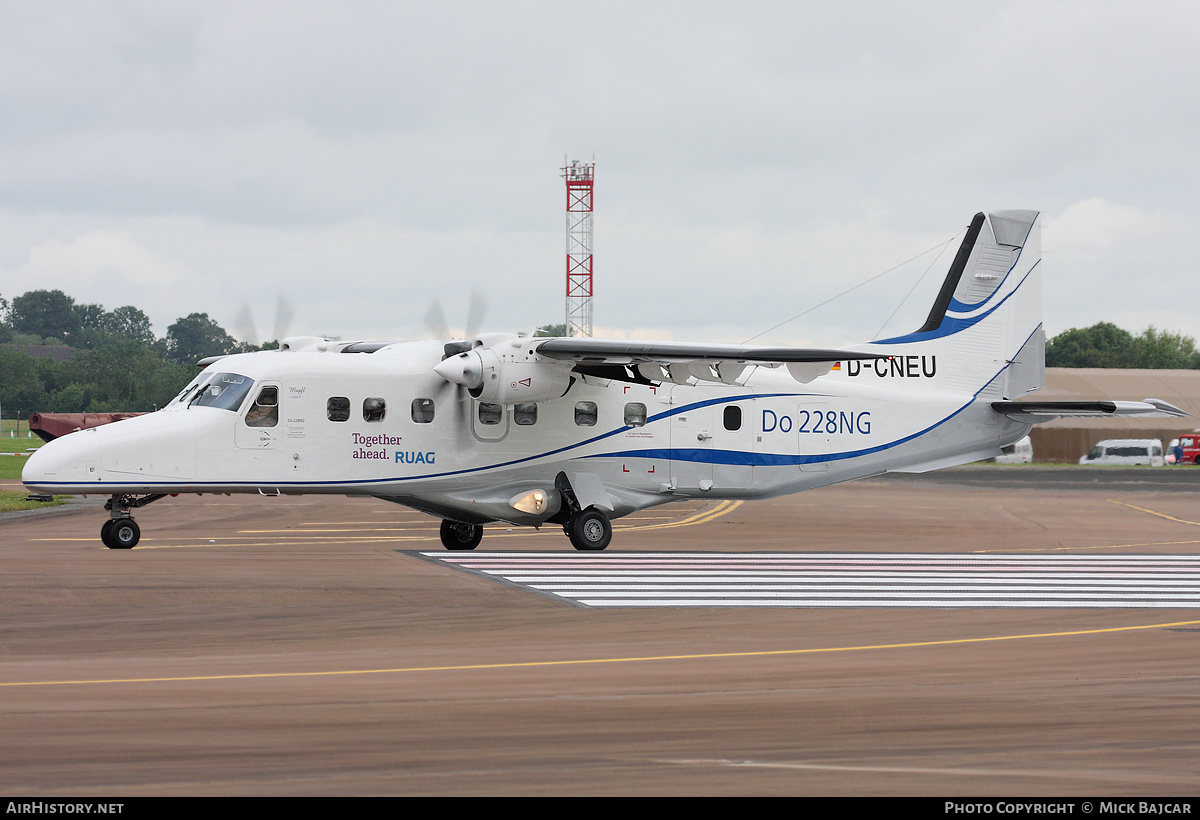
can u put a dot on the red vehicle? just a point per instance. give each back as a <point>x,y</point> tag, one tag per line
<point>1190,445</point>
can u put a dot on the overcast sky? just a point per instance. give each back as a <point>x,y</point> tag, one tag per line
<point>753,159</point>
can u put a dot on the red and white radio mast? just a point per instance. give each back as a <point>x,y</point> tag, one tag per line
<point>579,177</point>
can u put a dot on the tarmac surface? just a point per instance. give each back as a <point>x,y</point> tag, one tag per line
<point>301,645</point>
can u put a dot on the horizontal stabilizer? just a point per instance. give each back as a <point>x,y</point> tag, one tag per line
<point>1036,412</point>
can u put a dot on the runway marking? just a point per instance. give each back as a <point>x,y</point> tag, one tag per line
<point>834,767</point>
<point>1152,512</point>
<point>702,517</point>
<point>1049,550</point>
<point>807,580</point>
<point>592,661</point>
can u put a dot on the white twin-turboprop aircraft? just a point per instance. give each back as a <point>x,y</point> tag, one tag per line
<point>578,431</point>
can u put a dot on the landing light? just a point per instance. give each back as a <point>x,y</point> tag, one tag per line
<point>532,502</point>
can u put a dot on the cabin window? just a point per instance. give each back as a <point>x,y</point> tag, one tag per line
<point>732,417</point>
<point>490,413</point>
<point>525,414</point>
<point>374,409</point>
<point>338,408</point>
<point>422,411</point>
<point>635,414</point>
<point>585,413</point>
<point>265,410</point>
<point>224,390</point>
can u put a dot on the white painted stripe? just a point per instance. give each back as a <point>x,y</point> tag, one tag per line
<point>862,580</point>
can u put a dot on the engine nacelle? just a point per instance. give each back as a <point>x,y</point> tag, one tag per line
<point>507,373</point>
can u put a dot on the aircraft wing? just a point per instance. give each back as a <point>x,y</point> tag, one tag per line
<point>675,361</point>
<point>623,351</point>
<point>1035,412</point>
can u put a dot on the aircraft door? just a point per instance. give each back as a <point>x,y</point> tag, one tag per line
<point>691,441</point>
<point>734,442</point>
<point>260,429</point>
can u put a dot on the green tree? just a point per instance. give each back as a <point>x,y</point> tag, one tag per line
<point>1101,345</point>
<point>130,324</point>
<point>553,330</point>
<point>1162,350</point>
<point>71,399</point>
<point>196,336</point>
<point>91,316</point>
<point>47,313</point>
<point>21,386</point>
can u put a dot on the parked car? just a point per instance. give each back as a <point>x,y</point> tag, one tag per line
<point>1126,451</point>
<point>1019,453</point>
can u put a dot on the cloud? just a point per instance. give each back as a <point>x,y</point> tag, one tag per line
<point>100,257</point>
<point>1089,227</point>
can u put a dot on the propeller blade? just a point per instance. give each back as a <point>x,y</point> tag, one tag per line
<point>283,316</point>
<point>475,314</point>
<point>243,325</point>
<point>435,321</point>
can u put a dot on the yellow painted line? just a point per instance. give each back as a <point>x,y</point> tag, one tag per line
<point>699,518</point>
<point>349,532</point>
<point>1113,546</point>
<point>593,661</point>
<point>1152,512</point>
<point>1087,547</point>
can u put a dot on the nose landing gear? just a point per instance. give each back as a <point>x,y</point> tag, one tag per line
<point>120,531</point>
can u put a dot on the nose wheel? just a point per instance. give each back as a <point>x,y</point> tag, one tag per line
<point>120,533</point>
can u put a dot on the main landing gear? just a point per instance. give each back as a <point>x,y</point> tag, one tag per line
<point>590,529</point>
<point>457,535</point>
<point>120,531</point>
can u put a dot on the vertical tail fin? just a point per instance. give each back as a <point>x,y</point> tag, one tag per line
<point>984,332</point>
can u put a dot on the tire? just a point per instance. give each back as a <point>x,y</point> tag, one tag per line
<point>459,536</point>
<point>590,530</point>
<point>104,530</point>
<point>123,534</point>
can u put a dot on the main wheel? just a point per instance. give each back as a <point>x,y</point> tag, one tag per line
<point>105,529</point>
<point>590,530</point>
<point>459,536</point>
<point>123,534</point>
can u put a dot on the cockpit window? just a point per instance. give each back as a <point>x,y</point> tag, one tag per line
<point>224,390</point>
<point>264,412</point>
<point>186,392</point>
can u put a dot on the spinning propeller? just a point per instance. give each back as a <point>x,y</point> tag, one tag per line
<point>246,330</point>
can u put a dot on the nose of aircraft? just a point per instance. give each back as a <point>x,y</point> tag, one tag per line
<point>63,462</point>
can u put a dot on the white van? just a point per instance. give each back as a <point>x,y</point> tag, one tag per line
<point>1126,451</point>
<point>1019,453</point>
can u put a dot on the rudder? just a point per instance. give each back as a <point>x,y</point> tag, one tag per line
<point>985,326</point>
